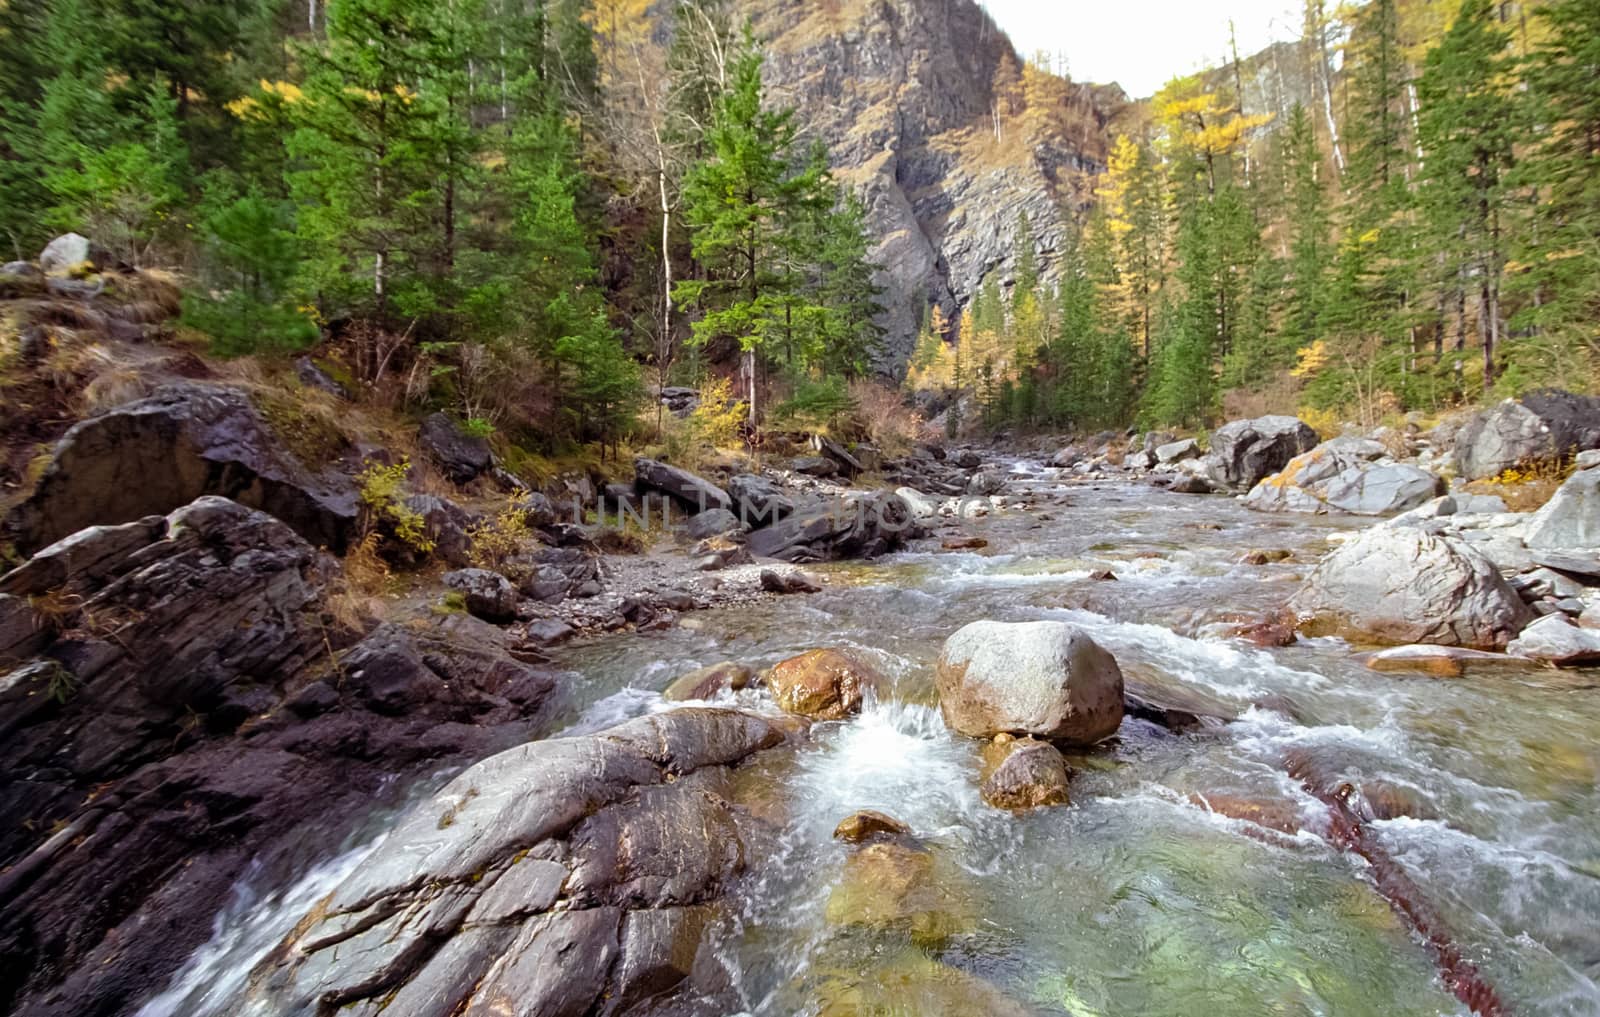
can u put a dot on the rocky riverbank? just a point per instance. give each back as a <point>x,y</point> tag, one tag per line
<point>194,677</point>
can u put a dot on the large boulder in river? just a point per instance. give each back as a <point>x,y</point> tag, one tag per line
<point>823,684</point>
<point>692,493</point>
<point>1245,451</point>
<point>1045,679</point>
<point>1403,585</point>
<point>155,455</point>
<point>1539,427</point>
<point>1571,519</point>
<point>1345,475</point>
<point>855,526</point>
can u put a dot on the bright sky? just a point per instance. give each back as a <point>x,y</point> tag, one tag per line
<point>1140,44</point>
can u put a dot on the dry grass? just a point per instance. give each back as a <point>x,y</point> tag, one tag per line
<point>885,418</point>
<point>1528,488</point>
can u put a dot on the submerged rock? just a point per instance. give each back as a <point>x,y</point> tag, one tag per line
<point>1046,679</point>
<point>893,886</point>
<point>1406,586</point>
<point>709,682</point>
<point>869,825</point>
<point>1023,773</point>
<point>915,984</point>
<point>823,684</point>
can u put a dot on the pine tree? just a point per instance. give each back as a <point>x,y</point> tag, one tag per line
<point>1182,385</point>
<point>1561,259</point>
<point>1309,248</point>
<point>737,204</point>
<point>1468,131</point>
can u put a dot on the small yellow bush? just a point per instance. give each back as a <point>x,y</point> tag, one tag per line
<point>498,539</point>
<point>383,493</point>
<point>715,423</point>
<point>1324,422</point>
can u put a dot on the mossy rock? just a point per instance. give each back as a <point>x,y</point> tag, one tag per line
<point>912,984</point>
<point>900,888</point>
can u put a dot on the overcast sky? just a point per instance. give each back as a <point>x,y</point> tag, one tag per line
<point>1140,44</point>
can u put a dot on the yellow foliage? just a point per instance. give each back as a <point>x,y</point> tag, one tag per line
<point>1311,359</point>
<point>383,493</point>
<point>499,539</point>
<point>715,423</point>
<point>1324,422</point>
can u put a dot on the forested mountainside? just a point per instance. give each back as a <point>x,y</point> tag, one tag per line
<point>531,214</point>
<point>952,139</point>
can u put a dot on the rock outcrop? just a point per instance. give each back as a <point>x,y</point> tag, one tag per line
<point>185,704</point>
<point>1539,427</point>
<point>1353,475</point>
<point>693,494</point>
<point>1571,519</point>
<point>463,457</point>
<point>158,454</point>
<point>1244,452</point>
<point>854,526</point>
<point>905,93</point>
<point>1402,585</point>
<point>1045,679</point>
<point>568,876</point>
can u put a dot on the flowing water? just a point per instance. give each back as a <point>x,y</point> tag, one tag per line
<point>1138,899</point>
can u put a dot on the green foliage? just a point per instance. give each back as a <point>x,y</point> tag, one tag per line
<point>253,255</point>
<point>817,405</point>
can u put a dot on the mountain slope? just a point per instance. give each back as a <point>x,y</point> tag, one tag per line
<point>928,111</point>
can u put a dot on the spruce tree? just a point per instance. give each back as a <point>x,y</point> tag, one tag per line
<point>1467,130</point>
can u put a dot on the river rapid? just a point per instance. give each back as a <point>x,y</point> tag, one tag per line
<point>1138,899</point>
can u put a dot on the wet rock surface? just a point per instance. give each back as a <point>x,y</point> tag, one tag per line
<point>191,708</point>
<point>823,684</point>
<point>564,876</point>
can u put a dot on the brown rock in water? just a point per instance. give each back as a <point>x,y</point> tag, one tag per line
<point>869,825</point>
<point>1103,576</point>
<point>964,544</point>
<point>1023,773</point>
<point>823,684</point>
<point>1436,661</point>
<point>1277,814</point>
<point>1267,557</point>
<point>708,682</point>
<point>788,582</point>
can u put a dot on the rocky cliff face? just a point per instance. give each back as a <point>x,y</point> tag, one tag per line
<point>928,111</point>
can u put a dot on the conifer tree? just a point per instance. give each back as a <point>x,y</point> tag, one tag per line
<point>1468,130</point>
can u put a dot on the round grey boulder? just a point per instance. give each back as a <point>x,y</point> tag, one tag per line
<point>1045,679</point>
<point>1404,585</point>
